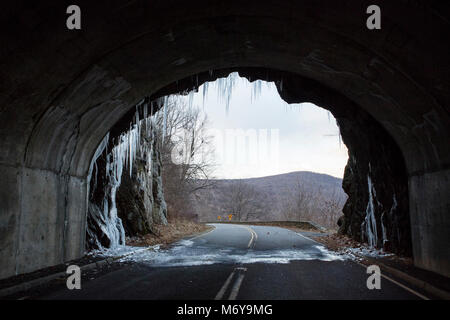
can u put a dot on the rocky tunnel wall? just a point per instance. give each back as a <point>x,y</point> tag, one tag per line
<point>62,91</point>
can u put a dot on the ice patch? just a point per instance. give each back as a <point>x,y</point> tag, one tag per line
<point>369,226</point>
<point>184,253</point>
<point>358,253</point>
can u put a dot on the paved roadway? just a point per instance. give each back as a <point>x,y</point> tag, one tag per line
<point>237,262</point>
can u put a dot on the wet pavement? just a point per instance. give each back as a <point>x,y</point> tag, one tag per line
<point>236,262</point>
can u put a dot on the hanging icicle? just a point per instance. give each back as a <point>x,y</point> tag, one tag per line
<point>369,226</point>
<point>165,101</point>
<point>129,147</point>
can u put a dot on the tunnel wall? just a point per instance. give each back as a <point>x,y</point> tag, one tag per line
<point>429,216</point>
<point>52,210</point>
<point>62,91</point>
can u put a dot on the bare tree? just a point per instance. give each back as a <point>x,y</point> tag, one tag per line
<point>243,201</point>
<point>299,203</point>
<point>187,154</point>
<point>329,209</point>
<point>307,203</point>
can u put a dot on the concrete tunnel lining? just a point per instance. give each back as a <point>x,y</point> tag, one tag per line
<point>64,91</point>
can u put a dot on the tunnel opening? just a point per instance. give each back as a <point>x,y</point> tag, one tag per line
<point>375,180</point>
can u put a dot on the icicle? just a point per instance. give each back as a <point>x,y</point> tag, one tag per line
<point>394,205</point>
<point>225,88</point>
<point>112,225</point>
<point>191,99</point>
<point>340,135</point>
<point>370,223</point>
<point>101,147</point>
<point>145,113</point>
<point>124,154</point>
<point>256,90</point>
<point>383,229</point>
<point>205,92</point>
<point>165,117</point>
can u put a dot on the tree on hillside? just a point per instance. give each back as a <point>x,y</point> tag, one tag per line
<point>243,201</point>
<point>308,203</point>
<point>329,209</point>
<point>299,201</point>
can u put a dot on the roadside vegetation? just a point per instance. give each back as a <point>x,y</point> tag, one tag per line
<point>176,229</point>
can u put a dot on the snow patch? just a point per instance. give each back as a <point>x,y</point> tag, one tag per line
<point>183,253</point>
<point>366,252</point>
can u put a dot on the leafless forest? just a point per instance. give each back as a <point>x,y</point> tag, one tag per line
<point>295,196</point>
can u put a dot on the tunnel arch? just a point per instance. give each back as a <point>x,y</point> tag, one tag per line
<point>63,91</point>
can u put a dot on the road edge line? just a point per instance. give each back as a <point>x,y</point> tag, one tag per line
<point>442,294</point>
<point>203,233</point>
<point>400,274</point>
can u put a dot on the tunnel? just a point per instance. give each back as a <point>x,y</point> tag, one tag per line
<point>63,90</point>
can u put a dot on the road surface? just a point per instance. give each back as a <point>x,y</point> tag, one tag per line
<point>237,262</point>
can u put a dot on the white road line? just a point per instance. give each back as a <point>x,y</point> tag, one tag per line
<point>237,285</point>
<point>299,234</point>
<point>386,277</point>
<point>203,234</point>
<point>398,283</point>
<point>406,288</point>
<point>222,290</point>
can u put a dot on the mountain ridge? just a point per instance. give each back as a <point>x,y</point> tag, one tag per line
<point>295,195</point>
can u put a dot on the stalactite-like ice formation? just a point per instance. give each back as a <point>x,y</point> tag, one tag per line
<point>369,226</point>
<point>225,87</point>
<point>123,155</point>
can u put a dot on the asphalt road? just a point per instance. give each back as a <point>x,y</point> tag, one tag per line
<point>237,262</point>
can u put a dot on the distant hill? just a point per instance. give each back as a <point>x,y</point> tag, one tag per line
<point>290,196</point>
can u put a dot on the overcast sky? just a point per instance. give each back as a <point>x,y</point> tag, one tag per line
<point>300,137</point>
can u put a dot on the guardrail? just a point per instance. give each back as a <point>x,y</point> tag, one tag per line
<point>298,224</point>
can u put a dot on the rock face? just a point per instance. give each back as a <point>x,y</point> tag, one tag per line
<point>375,181</point>
<point>123,201</point>
<point>140,198</point>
